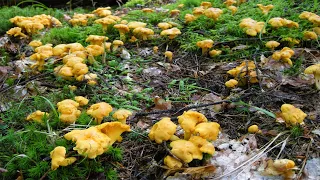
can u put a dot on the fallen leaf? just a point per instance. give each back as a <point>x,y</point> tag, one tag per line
<point>152,71</point>
<point>316,131</point>
<point>195,172</point>
<point>161,104</point>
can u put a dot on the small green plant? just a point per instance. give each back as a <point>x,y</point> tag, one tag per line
<point>296,131</point>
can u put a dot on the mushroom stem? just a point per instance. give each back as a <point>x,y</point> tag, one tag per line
<point>174,138</point>
<point>187,135</point>
<point>115,47</point>
<point>317,80</point>
<point>122,36</point>
<point>204,51</point>
<point>91,59</point>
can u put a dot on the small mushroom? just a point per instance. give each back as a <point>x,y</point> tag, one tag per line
<point>16,31</point>
<point>272,44</point>
<point>116,44</point>
<point>203,144</point>
<point>163,131</point>
<point>103,11</point>
<point>205,45</point>
<point>37,116</point>
<point>188,121</point>
<point>213,13</point>
<point>265,9</point>
<point>310,35</point>
<point>232,83</point>
<point>143,33</point>
<point>123,29</point>
<point>254,129</point>
<point>58,158</point>
<point>189,18</point>
<point>169,55</point>
<point>81,100</point>
<point>96,40</point>
<point>105,22</point>
<point>171,33</point>
<point>233,9</point>
<point>164,25</point>
<point>174,12</point>
<point>185,150</point>
<point>292,115</point>
<point>136,24</point>
<point>208,130</point>
<point>214,53</point>
<point>155,49</point>
<point>206,4</point>
<point>230,2</point>
<point>315,70</point>
<point>35,43</point>
<point>147,10</point>
<point>99,111</point>
<point>172,162</point>
<point>122,115</point>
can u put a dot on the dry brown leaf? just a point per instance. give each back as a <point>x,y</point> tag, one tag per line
<point>195,172</point>
<point>161,104</point>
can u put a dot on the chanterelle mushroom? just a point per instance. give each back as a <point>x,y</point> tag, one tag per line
<point>188,121</point>
<point>292,115</point>
<point>122,115</point>
<point>185,150</point>
<point>205,45</point>
<point>315,70</point>
<point>58,158</point>
<point>99,110</point>
<point>163,131</point>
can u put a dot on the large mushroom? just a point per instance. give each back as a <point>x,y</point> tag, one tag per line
<point>188,121</point>
<point>123,29</point>
<point>163,131</point>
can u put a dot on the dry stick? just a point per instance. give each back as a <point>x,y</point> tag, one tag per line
<point>23,82</point>
<point>305,160</point>
<point>257,71</point>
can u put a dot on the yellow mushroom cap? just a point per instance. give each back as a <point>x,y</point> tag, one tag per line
<point>272,44</point>
<point>189,18</point>
<point>122,27</point>
<point>233,9</point>
<point>122,115</point>
<point>35,43</point>
<point>73,47</point>
<point>253,129</point>
<point>206,4</point>
<point>58,158</point>
<point>102,11</point>
<point>283,164</point>
<point>213,13</point>
<point>162,130</point>
<point>80,69</point>
<point>305,15</point>
<point>292,115</point>
<point>99,110</point>
<point>37,116</point>
<point>172,163</point>
<point>60,50</point>
<point>147,10</point>
<point>169,55</point>
<point>231,83</point>
<point>230,2</point>
<point>113,130</point>
<point>197,11</point>
<point>203,144</point>
<point>96,40</point>
<point>81,100</point>
<point>16,31</point>
<point>95,50</point>
<point>68,111</point>
<point>143,33</point>
<point>189,119</point>
<point>310,35</point>
<point>118,43</point>
<point>135,24</point>
<point>208,130</point>
<point>208,43</point>
<point>265,9</point>
<point>315,70</point>
<point>214,53</point>
<point>174,12</point>
<point>171,33</point>
<point>105,21</point>
<point>185,150</point>
<point>164,25</point>
<point>90,142</point>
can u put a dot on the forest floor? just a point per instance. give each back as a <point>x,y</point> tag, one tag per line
<point>143,80</point>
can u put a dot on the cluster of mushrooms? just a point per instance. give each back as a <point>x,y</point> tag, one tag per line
<point>245,72</point>
<point>31,25</point>
<point>197,136</point>
<point>90,142</point>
